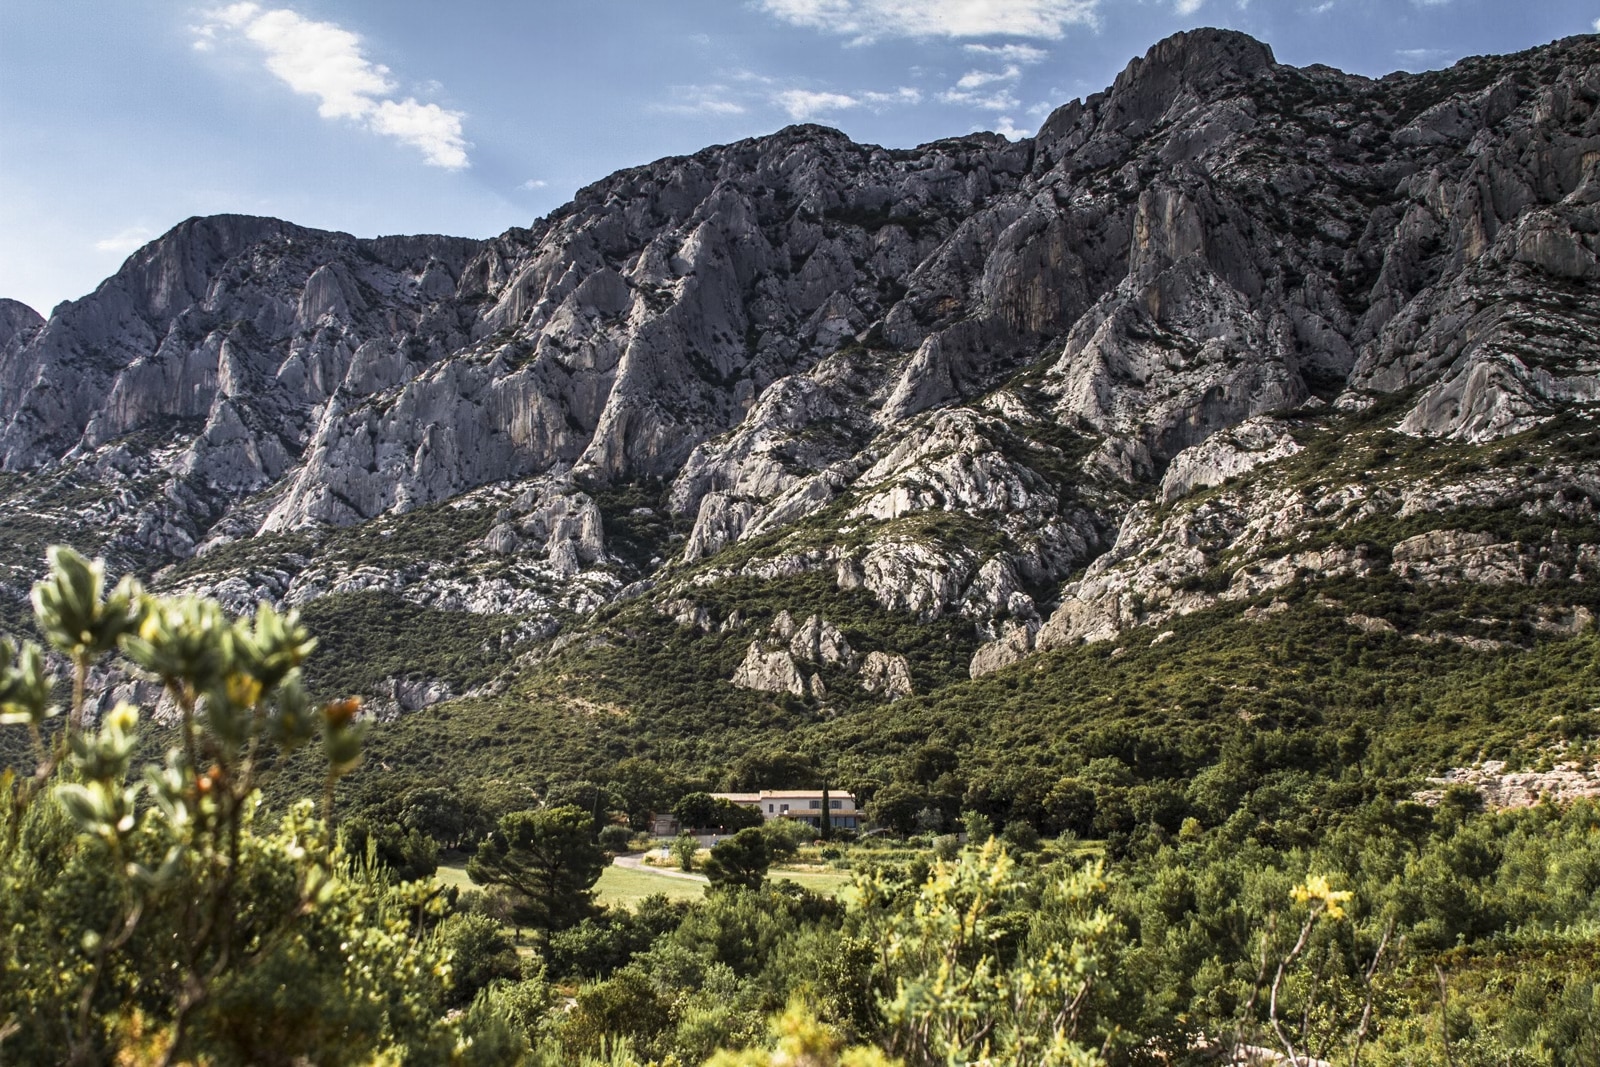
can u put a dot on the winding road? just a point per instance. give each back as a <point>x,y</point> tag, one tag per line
<point>634,861</point>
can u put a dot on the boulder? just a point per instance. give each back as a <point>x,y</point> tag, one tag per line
<point>887,675</point>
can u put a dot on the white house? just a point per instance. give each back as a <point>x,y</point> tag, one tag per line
<point>805,805</point>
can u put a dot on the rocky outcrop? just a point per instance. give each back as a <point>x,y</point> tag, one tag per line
<point>772,665</point>
<point>1449,556</point>
<point>397,696</point>
<point>770,672</point>
<point>1052,388</point>
<point>1015,641</point>
<point>1501,789</point>
<point>720,522</point>
<point>818,641</point>
<point>1227,455</point>
<point>887,675</point>
<point>18,322</point>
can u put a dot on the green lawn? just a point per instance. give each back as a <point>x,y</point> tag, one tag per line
<point>827,883</point>
<point>454,874</point>
<point>621,887</point>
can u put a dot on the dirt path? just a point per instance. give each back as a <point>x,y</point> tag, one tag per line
<point>634,861</point>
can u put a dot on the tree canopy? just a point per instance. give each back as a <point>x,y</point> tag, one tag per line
<point>550,861</point>
<point>741,860</point>
<point>702,811</point>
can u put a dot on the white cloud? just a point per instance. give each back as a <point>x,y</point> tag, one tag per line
<point>1188,7</point>
<point>1597,25</point>
<point>802,104</point>
<point>987,89</point>
<point>805,104</point>
<point>1010,53</point>
<point>431,128</point>
<point>699,100</point>
<point>1006,127</point>
<point>866,20</point>
<point>1000,100</point>
<point>533,183</point>
<point>324,60</point>
<point>903,95</point>
<point>124,242</point>
<point>975,79</point>
<point>1420,55</point>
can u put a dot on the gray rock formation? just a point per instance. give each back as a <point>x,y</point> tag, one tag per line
<point>886,675</point>
<point>1227,455</point>
<point>770,672</point>
<point>818,641</point>
<point>977,380</point>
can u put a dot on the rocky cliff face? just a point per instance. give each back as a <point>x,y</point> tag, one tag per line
<point>1142,364</point>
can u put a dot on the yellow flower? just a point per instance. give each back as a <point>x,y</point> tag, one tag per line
<point>1315,889</point>
<point>123,717</point>
<point>243,690</point>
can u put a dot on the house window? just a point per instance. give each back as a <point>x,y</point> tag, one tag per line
<point>835,805</point>
<point>769,807</point>
<point>816,803</point>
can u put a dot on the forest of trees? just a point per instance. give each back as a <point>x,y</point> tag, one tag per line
<point>1285,894</point>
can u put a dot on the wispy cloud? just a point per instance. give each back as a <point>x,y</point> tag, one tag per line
<point>867,20</point>
<point>699,100</point>
<point>325,60</point>
<point>804,104</point>
<point>1188,7</point>
<point>533,183</point>
<point>998,100</point>
<point>976,79</point>
<point>126,241</point>
<point>991,90</point>
<point>1010,53</point>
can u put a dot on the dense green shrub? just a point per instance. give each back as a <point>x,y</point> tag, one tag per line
<point>548,859</point>
<point>162,918</point>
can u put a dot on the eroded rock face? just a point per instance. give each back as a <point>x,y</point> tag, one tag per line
<point>818,641</point>
<point>973,371</point>
<point>1502,789</point>
<point>1013,644</point>
<point>397,696</point>
<point>1450,556</point>
<point>886,674</point>
<point>770,672</point>
<point>773,664</point>
<point>1227,455</point>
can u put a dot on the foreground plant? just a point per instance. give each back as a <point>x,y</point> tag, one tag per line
<point>156,918</point>
<point>964,994</point>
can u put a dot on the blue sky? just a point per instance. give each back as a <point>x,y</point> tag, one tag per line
<point>120,118</point>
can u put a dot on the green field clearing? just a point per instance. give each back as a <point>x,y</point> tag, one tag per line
<point>454,875</point>
<point>621,887</point>
<point>827,883</point>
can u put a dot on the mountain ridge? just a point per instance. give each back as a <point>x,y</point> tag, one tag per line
<point>998,382</point>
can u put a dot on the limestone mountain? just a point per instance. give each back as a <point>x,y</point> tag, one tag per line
<point>1224,331</point>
